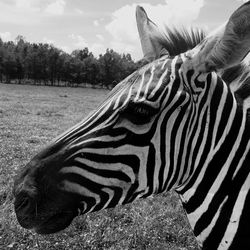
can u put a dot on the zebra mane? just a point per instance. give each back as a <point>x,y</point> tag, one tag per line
<point>177,41</point>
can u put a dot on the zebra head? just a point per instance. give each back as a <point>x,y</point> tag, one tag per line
<point>146,137</point>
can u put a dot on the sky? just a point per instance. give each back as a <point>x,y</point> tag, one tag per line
<point>102,24</point>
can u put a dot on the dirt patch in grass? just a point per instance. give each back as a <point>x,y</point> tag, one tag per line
<point>30,117</point>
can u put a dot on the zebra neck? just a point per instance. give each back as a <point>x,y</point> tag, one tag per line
<point>216,197</point>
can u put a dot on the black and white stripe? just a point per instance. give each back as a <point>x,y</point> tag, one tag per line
<point>197,143</point>
<point>166,127</point>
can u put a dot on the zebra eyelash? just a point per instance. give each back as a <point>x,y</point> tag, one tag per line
<point>138,112</point>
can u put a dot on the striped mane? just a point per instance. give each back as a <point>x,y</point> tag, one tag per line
<point>179,41</point>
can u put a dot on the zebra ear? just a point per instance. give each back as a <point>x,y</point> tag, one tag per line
<point>149,35</point>
<point>226,47</point>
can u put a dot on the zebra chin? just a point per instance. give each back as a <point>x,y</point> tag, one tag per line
<point>55,223</point>
<point>42,206</point>
<point>33,216</point>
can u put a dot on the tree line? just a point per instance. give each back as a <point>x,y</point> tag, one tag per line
<point>40,63</point>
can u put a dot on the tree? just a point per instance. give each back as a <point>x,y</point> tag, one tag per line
<point>81,54</point>
<point>44,63</point>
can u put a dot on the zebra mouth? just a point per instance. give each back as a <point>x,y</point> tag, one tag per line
<point>55,223</point>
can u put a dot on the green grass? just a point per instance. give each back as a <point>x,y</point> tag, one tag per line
<point>30,117</point>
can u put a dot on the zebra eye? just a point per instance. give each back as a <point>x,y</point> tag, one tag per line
<point>138,113</point>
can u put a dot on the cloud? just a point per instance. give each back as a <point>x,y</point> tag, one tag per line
<point>97,49</point>
<point>78,11</point>
<point>66,49</point>
<point>122,47</point>
<point>20,12</point>
<point>56,8</point>
<point>78,41</point>
<point>6,36</point>
<point>30,12</point>
<point>100,37</point>
<point>27,5</point>
<point>48,41</point>
<point>123,27</point>
<point>96,23</point>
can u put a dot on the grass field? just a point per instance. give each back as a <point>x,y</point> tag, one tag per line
<point>30,117</point>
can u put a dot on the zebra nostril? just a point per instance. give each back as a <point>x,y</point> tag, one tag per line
<point>25,209</point>
<point>23,203</point>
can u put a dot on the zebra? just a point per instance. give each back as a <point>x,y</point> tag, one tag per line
<point>180,122</point>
